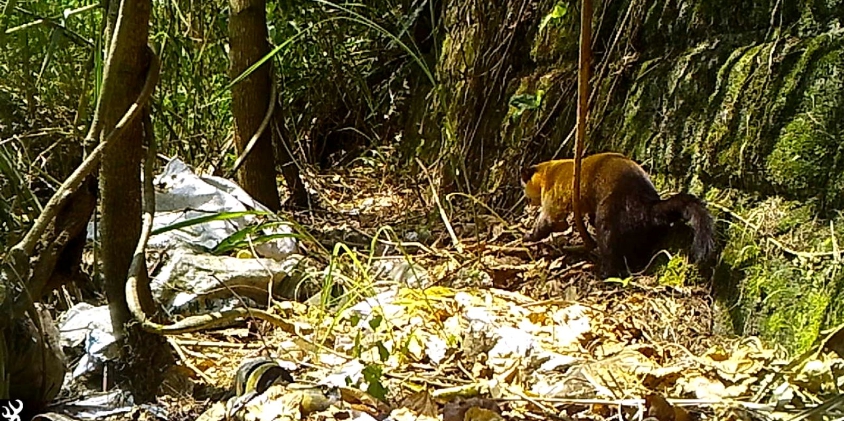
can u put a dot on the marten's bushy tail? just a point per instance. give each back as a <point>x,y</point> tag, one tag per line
<point>692,210</point>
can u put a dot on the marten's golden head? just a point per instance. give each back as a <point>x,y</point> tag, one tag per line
<point>532,183</point>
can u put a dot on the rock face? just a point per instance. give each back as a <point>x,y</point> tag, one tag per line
<point>740,102</point>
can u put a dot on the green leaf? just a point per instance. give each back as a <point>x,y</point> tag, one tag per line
<point>372,374</point>
<point>222,216</point>
<point>246,236</point>
<point>624,282</point>
<point>523,102</point>
<point>383,353</point>
<point>376,321</point>
<point>557,13</point>
<point>356,348</point>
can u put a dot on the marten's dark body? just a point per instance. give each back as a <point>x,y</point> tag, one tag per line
<point>621,203</point>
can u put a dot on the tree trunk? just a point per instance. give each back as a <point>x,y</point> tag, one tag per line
<point>120,184</point>
<point>120,189</point>
<point>250,99</point>
<point>582,117</point>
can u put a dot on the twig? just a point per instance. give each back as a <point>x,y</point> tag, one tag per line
<point>534,401</point>
<point>443,216</point>
<point>54,23</point>
<point>212,344</point>
<point>817,410</point>
<point>405,244</point>
<point>638,402</point>
<point>584,61</point>
<point>180,353</point>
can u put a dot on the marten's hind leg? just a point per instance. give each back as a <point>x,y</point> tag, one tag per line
<point>609,232</point>
<point>610,258</point>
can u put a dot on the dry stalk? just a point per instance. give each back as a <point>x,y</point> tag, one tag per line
<point>457,244</point>
<point>180,353</point>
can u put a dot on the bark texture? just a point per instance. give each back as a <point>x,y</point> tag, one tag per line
<point>250,99</point>
<point>145,355</point>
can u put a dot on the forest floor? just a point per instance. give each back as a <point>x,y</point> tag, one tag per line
<point>518,332</point>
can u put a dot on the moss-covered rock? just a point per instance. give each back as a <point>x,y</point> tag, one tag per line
<point>785,294</point>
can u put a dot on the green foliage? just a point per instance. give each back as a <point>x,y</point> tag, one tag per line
<point>190,121</point>
<point>677,271</point>
<point>520,103</point>
<point>46,79</point>
<point>349,77</point>
<point>555,16</point>
<point>372,374</point>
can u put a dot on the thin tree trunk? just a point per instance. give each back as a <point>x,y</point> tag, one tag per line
<point>585,59</point>
<point>120,190</point>
<point>120,184</point>
<point>250,99</point>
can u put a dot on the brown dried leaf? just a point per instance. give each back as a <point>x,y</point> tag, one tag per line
<point>459,410</point>
<point>660,409</point>
<point>421,403</point>
<point>363,401</point>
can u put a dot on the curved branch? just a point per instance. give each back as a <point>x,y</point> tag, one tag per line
<point>136,271</point>
<point>22,251</point>
<point>254,140</point>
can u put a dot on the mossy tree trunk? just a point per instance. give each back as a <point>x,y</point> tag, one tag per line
<point>250,99</point>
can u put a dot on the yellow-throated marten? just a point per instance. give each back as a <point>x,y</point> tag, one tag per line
<point>622,204</point>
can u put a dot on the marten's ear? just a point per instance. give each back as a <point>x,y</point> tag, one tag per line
<point>527,173</point>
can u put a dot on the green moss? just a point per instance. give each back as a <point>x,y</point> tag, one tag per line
<point>677,271</point>
<point>797,216</point>
<point>781,297</point>
<point>796,302</point>
<point>797,160</point>
<point>734,77</point>
<point>806,158</point>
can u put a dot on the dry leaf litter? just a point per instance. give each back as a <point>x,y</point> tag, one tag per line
<point>501,332</point>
